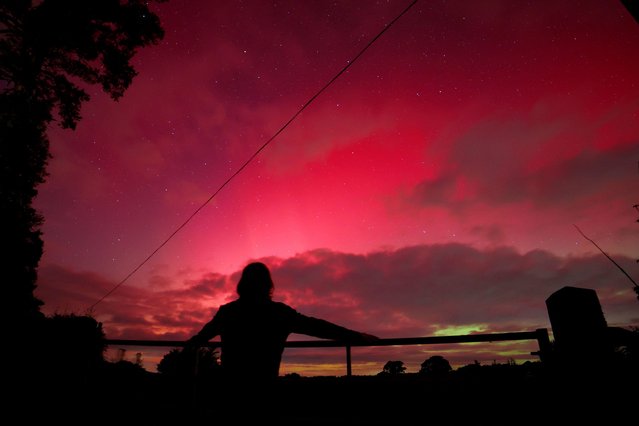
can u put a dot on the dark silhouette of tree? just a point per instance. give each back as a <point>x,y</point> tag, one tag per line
<point>74,337</point>
<point>56,369</point>
<point>186,363</point>
<point>633,8</point>
<point>435,366</point>
<point>48,49</point>
<point>192,374</point>
<point>394,367</point>
<point>70,352</point>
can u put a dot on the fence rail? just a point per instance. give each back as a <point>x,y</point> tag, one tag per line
<point>540,335</point>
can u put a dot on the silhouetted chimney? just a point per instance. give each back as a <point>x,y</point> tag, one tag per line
<point>578,325</point>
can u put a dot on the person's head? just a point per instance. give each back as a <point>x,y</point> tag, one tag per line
<point>255,282</point>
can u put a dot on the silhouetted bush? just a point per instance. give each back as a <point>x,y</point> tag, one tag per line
<point>394,367</point>
<point>435,366</point>
<point>203,362</point>
<point>73,341</point>
<point>60,367</point>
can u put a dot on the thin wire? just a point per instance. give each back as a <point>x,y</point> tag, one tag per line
<point>609,258</point>
<point>256,153</point>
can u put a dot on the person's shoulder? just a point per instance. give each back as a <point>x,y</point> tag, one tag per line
<point>228,306</point>
<point>281,306</point>
<point>224,305</point>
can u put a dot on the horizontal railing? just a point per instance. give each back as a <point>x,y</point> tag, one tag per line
<point>540,335</point>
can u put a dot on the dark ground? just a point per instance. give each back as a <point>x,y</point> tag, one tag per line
<point>530,394</point>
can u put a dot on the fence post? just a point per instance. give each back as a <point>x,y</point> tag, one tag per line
<point>196,372</point>
<point>349,369</point>
<point>579,327</point>
<point>544,344</point>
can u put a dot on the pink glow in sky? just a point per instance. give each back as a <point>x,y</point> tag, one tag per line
<point>432,189</point>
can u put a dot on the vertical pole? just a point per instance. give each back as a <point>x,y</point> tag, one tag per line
<point>349,369</point>
<point>544,343</point>
<point>196,368</point>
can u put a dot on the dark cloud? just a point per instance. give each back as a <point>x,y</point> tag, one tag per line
<point>411,291</point>
<point>408,292</point>
<point>491,233</point>
<point>542,159</point>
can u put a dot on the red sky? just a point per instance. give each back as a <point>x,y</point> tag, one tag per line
<point>432,189</point>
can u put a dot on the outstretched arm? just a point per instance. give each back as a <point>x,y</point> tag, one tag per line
<point>327,330</point>
<point>209,331</point>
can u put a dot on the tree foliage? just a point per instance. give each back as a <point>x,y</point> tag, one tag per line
<point>46,45</point>
<point>50,51</point>
<point>394,367</point>
<point>66,348</point>
<point>73,342</point>
<point>435,366</point>
<point>190,362</point>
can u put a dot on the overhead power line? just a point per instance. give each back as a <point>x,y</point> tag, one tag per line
<point>257,152</point>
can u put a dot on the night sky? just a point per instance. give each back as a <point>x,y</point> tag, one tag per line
<point>432,189</point>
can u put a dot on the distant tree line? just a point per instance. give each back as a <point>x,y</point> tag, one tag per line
<point>436,365</point>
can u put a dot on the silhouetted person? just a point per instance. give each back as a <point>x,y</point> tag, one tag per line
<point>253,331</point>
